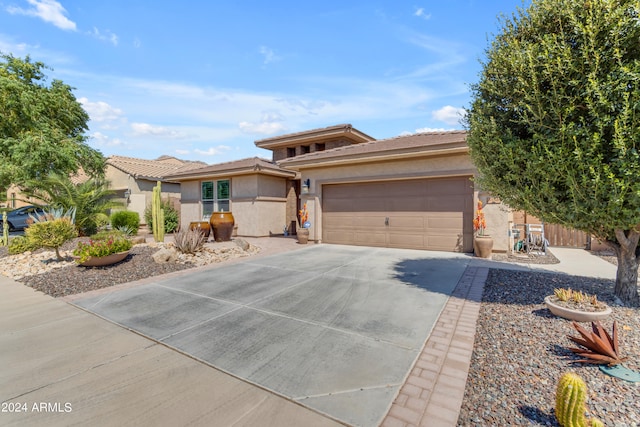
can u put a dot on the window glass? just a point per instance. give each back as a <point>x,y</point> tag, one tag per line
<point>223,206</point>
<point>223,190</point>
<point>215,197</point>
<point>207,210</point>
<point>207,190</point>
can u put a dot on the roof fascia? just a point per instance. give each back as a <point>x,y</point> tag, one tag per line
<point>375,157</point>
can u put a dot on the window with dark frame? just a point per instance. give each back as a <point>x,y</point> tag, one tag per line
<point>291,151</point>
<point>215,197</point>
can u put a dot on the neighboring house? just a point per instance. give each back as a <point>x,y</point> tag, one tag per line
<point>133,179</point>
<point>411,191</point>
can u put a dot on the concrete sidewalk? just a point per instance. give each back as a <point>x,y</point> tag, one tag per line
<point>573,261</point>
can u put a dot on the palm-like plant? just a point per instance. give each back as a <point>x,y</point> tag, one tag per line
<point>90,198</point>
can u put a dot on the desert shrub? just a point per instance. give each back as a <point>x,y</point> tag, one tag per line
<point>128,219</point>
<point>101,220</point>
<point>111,244</point>
<point>19,245</point>
<point>189,241</point>
<point>107,234</point>
<point>171,217</point>
<point>51,234</point>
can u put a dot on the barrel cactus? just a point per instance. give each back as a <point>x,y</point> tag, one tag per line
<point>571,396</point>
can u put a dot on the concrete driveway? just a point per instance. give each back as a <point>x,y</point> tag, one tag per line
<point>335,328</point>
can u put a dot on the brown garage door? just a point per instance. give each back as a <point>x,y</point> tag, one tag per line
<point>435,214</point>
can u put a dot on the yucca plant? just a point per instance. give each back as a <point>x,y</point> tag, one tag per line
<point>189,241</point>
<point>600,348</point>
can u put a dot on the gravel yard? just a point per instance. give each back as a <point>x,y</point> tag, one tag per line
<point>520,352</point>
<point>68,278</point>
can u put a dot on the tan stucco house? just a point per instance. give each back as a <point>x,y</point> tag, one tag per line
<point>412,191</point>
<point>133,179</point>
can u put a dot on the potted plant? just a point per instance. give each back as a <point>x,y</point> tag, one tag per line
<point>105,250</point>
<point>576,305</point>
<point>482,243</point>
<point>303,231</point>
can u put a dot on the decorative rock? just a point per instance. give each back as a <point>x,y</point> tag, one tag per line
<point>243,244</point>
<point>165,255</point>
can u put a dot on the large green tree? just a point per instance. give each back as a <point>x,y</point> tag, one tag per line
<point>41,126</point>
<point>554,123</point>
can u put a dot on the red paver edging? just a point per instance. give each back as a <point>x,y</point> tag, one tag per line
<point>433,391</point>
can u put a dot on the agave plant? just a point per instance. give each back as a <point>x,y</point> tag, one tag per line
<point>600,348</point>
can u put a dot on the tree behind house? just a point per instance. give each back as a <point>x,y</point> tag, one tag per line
<point>41,126</point>
<point>554,124</point>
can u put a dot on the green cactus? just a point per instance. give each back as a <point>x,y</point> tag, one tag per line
<point>5,229</point>
<point>571,396</point>
<point>157,214</point>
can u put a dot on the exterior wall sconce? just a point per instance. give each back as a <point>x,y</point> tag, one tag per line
<point>127,193</point>
<point>305,186</point>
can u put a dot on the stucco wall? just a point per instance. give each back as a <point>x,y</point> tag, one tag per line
<point>259,218</point>
<point>258,204</point>
<point>498,217</point>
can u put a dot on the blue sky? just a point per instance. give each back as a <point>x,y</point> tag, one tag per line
<point>202,80</point>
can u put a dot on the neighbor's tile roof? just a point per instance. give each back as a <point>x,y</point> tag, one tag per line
<point>236,167</point>
<point>153,169</point>
<point>407,143</point>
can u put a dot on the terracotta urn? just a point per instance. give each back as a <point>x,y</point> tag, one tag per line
<point>222,225</point>
<point>482,246</point>
<point>303,236</point>
<point>203,226</point>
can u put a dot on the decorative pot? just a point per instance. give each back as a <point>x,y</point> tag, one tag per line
<point>102,261</point>
<point>303,236</point>
<point>222,226</point>
<point>482,246</point>
<point>573,314</point>
<point>202,226</point>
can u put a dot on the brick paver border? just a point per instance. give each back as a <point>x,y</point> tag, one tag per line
<point>433,391</point>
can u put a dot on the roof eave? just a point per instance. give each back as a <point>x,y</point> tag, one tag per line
<point>375,157</point>
<point>317,135</point>
<point>233,172</point>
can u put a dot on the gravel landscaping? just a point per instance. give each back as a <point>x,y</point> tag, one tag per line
<point>67,278</point>
<point>520,352</point>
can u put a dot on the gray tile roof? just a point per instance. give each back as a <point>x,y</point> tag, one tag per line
<point>236,167</point>
<point>153,169</point>
<point>418,142</point>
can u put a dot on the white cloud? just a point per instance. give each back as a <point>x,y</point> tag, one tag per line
<point>420,13</point>
<point>104,140</point>
<point>145,129</point>
<point>213,151</point>
<point>107,36</point>
<point>49,11</point>
<point>432,130</point>
<point>100,111</point>
<point>269,55</point>
<point>270,123</point>
<point>263,128</point>
<point>449,115</point>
